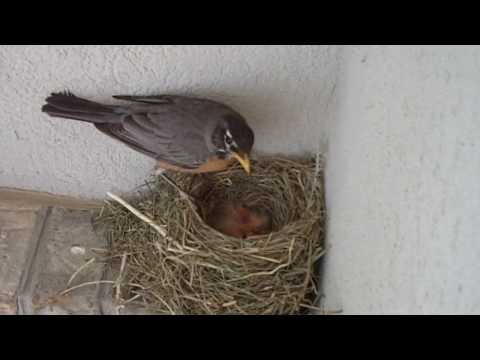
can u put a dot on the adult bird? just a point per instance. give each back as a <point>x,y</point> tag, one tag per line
<point>182,133</point>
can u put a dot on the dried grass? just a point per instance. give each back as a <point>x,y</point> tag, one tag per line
<point>190,268</point>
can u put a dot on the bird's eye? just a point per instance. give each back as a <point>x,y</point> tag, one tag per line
<point>228,139</point>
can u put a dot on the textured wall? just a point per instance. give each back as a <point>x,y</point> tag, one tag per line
<point>282,90</point>
<point>404,181</point>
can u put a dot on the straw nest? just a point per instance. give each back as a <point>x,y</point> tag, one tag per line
<point>172,262</point>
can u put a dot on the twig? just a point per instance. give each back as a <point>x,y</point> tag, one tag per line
<point>271,272</point>
<point>79,270</point>
<point>120,276</point>
<point>172,183</point>
<point>137,213</point>
<point>231,303</point>
<point>323,252</point>
<point>164,303</point>
<point>266,259</point>
<point>320,310</point>
<point>132,298</point>
<point>64,292</point>
<point>315,179</point>
<point>99,250</point>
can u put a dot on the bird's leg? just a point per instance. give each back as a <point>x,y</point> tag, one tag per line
<point>159,171</point>
<point>180,191</point>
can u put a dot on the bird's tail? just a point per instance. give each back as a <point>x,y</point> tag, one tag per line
<point>68,106</point>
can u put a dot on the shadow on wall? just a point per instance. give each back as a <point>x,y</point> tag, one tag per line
<point>332,103</point>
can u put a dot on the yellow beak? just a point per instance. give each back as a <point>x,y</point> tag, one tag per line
<point>244,161</point>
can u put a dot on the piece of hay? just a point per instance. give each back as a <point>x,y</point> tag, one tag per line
<point>194,269</point>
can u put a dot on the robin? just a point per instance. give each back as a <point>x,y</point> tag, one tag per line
<point>182,133</point>
<point>238,220</point>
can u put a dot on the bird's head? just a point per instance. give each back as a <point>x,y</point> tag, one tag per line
<point>233,138</point>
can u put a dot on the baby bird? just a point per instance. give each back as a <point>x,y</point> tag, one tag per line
<point>239,221</point>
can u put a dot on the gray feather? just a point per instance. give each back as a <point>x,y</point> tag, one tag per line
<point>175,129</point>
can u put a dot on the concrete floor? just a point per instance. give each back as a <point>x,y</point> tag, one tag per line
<point>38,234</point>
<point>399,126</point>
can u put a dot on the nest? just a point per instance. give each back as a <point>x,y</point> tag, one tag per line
<point>174,262</point>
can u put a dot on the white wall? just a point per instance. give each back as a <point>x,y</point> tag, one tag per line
<point>404,181</point>
<point>282,90</point>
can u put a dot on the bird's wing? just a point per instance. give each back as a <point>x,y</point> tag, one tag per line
<point>152,99</point>
<point>168,136</point>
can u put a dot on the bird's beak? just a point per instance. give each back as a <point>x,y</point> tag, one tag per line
<point>243,160</point>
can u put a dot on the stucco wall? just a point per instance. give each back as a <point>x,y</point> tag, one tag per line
<point>403,181</point>
<point>281,90</point>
